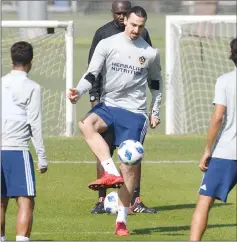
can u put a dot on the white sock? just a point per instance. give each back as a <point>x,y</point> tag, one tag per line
<point>110,167</point>
<point>122,214</point>
<point>3,238</point>
<point>22,238</point>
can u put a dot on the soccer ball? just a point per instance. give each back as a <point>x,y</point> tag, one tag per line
<point>130,152</point>
<point>111,203</point>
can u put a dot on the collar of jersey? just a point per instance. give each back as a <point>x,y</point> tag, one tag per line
<point>16,72</point>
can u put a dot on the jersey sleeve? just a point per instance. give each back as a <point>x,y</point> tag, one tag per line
<point>34,118</point>
<point>94,69</point>
<point>155,85</point>
<point>220,93</point>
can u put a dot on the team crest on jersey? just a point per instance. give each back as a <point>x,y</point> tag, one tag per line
<point>142,60</point>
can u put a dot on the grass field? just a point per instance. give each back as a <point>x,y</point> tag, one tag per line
<point>64,202</point>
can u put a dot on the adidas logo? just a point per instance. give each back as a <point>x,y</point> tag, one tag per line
<point>203,187</point>
<point>139,210</point>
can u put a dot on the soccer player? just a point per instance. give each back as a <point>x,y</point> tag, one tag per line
<point>125,61</point>
<point>21,121</point>
<point>119,11</point>
<point>219,161</point>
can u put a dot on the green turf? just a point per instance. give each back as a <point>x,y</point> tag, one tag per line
<point>64,202</point>
<point>157,147</point>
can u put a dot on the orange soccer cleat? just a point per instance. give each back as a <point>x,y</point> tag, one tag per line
<point>121,229</point>
<point>106,181</point>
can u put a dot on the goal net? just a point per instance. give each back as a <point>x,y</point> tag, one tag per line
<point>52,67</point>
<point>197,53</point>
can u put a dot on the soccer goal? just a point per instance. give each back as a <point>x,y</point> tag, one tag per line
<point>52,67</point>
<point>197,51</point>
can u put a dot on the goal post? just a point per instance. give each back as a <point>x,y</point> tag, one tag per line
<point>52,68</point>
<point>197,49</point>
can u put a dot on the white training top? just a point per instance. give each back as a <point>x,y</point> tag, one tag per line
<point>225,94</point>
<point>127,66</point>
<point>21,114</point>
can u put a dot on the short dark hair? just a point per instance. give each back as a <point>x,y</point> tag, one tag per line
<point>21,53</point>
<point>139,11</point>
<point>125,3</point>
<point>233,47</point>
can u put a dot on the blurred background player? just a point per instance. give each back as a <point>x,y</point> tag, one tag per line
<point>219,161</point>
<point>123,103</point>
<point>21,121</point>
<point>119,11</point>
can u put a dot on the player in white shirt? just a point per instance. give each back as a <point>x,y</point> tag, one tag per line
<point>21,121</point>
<point>125,61</point>
<point>219,161</point>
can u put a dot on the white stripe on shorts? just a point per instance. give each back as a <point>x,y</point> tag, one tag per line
<point>202,181</point>
<point>144,129</point>
<point>28,174</point>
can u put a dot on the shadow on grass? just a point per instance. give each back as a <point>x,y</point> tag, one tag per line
<point>175,229</point>
<point>185,206</point>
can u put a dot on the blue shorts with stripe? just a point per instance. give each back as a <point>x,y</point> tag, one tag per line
<point>219,179</point>
<point>125,124</point>
<point>17,174</point>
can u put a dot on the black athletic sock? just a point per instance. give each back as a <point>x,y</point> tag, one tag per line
<point>102,192</point>
<point>135,195</point>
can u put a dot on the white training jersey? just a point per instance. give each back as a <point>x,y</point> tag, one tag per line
<point>126,65</point>
<point>21,114</point>
<point>225,94</point>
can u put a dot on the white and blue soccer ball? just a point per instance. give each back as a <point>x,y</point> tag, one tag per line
<point>111,203</point>
<point>130,152</point>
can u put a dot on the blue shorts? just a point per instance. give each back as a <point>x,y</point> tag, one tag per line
<point>219,179</point>
<point>125,124</point>
<point>17,174</point>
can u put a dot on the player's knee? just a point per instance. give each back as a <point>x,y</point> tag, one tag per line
<point>3,210</point>
<point>128,172</point>
<point>83,126</point>
<point>87,124</point>
<point>205,202</point>
<point>33,204</point>
<point>4,202</point>
<point>25,205</point>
